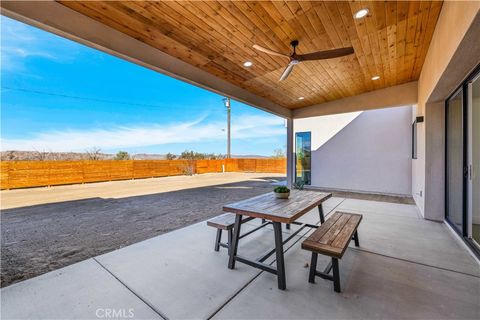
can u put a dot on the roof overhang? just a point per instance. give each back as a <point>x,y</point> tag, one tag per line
<point>63,21</point>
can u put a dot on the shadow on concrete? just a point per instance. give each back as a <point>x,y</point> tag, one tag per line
<point>40,238</point>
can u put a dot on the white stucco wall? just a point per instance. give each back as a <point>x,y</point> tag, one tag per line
<point>372,153</point>
<point>418,165</point>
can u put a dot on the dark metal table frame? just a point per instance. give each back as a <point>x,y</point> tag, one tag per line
<point>278,250</point>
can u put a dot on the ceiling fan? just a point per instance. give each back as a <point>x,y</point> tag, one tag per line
<point>297,58</point>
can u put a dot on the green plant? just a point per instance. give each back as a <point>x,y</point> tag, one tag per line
<point>122,155</point>
<point>192,155</point>
<point>278,154</point>
<point>170,156</point>
<point>281,189</point>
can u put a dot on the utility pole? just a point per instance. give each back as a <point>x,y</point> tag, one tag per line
<point>226,101</point>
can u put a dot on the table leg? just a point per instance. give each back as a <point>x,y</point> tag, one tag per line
<point>320,212</point>
<point>336,275</point>
<point>236,235</point>
<point>277,229</point>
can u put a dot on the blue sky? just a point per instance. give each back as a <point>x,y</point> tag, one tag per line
<point>123,106</point>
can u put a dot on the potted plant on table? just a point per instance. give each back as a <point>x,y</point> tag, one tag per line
<point>281,192</point>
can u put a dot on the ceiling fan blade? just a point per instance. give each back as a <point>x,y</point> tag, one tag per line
<point>260,48</point>
<point>328,54</point>
<point>287,72</point>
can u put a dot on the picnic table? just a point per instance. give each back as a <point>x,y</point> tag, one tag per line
<point>278,211</point>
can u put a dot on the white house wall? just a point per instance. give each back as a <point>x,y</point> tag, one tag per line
<point>418,165</point>
<point>370,153</point>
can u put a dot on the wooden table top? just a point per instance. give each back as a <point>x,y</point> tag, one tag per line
<point>267,206</point>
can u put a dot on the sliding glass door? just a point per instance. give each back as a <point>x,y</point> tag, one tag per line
<point>303,162</point>
<point>455,161</point>
<point>462,171</point>
<point>473,184</point>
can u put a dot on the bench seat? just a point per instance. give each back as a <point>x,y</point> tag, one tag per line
<point>226,221</point>
<point>332,239</point>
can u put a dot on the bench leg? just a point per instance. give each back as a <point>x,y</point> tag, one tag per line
<point>277,229</point>
<point>288,226</point>
<point>236,235</point>
<point>230,237</point>
<point>263,221</point>
<point>320,212</point>
<point>218,239</point>
<point>355,237</point>
<point>336,275</point>
<point>313,267</point>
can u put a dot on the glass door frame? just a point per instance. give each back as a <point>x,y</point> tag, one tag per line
<point>469,159</point>
<point>461,232</point>
<point>466,87</point>
<point>303,134</point>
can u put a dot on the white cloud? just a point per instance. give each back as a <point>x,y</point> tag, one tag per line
<point>20,42</point>
<point>246,127</point>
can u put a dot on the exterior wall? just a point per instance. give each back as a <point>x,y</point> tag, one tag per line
<point>453,53</point>
<point>418,165</point>
<point>435,162</point>
<point>370,153</point>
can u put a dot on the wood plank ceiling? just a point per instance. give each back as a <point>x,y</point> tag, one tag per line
<point>390,42</point>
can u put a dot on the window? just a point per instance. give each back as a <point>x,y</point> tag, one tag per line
<point>303,158</point>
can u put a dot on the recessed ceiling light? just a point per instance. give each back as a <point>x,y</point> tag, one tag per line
<point>248,64</point>
<point>361,13</point>
<point>301,98</point>
<point>375,78</point>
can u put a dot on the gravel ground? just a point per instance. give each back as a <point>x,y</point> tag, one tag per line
<point>44,237</point>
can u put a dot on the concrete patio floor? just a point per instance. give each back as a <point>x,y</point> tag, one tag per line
<point>406,267</point>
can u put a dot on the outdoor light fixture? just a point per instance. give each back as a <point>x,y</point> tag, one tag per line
<point>361,13</point>
<point>375,78</point>
<point>247,64</point>
<point>226,102</point>
<point>301,98</point>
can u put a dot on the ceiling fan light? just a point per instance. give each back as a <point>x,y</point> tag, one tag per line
<point>248,64</point>
<point>375,78</point>
<point>361,13</point>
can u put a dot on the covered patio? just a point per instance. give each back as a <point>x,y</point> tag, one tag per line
<point>406,267</point>
<point>411,262</point>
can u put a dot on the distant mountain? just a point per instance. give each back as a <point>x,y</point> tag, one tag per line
<point>15,155</point>
<point>149,156</point>
<point>256,156</point>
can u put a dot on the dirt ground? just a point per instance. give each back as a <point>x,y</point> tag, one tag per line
<point>43,229</point>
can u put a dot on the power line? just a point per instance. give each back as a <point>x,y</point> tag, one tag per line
<point>86,98</point>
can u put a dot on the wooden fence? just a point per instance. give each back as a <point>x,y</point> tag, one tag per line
<point>24,174</point>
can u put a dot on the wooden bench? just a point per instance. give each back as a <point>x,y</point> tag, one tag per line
<point>226,222</point>
<point>332,239</point>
